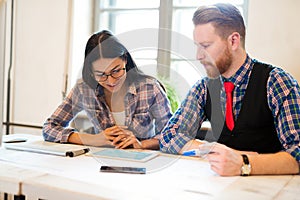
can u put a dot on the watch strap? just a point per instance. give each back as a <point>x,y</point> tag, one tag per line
<point>245,159</point>
<point>246,167</point>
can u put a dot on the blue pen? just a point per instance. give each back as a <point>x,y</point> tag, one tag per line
<point>195,152</point>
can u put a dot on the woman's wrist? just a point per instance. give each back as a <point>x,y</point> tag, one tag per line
<point>138,144</point>
<point>74,138</point>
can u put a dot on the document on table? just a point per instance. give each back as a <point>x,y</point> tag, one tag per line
<point>48,148</point>
<point>125,154</point>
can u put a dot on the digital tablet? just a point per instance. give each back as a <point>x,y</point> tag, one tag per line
<point>125,154</point>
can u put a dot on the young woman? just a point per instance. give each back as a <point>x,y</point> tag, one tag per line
<point>126,107</point>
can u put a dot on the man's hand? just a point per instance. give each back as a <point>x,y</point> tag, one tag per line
<point>224,161</point>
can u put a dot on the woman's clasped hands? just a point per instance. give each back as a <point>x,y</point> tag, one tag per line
<point>121,137</point>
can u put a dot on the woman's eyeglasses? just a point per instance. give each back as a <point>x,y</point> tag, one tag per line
<point>115,73</point>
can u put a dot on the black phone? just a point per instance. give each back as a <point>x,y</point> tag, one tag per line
<point>131,170</point>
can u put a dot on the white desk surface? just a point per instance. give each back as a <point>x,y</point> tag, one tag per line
<point>11,176</point>
<point>168,177</point>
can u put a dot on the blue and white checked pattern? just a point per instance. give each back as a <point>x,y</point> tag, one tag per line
<point>283,99</point>
<point>147,110</point>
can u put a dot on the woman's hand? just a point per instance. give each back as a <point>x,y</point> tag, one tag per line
<point>112,132</point>
<point>127,139</point>
<point>121,137</point>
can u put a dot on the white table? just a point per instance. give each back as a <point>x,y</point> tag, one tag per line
<point>170,183</point>
<point>168,177</point>
<point>11,176</point>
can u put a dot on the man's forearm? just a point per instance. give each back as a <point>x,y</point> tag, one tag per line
<point>275,163</point>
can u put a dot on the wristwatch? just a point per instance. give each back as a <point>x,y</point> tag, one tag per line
<point>246,167</point>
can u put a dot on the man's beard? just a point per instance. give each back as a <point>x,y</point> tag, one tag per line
<point>220,66</point>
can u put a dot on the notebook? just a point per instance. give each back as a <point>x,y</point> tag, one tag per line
<point>48,148</point>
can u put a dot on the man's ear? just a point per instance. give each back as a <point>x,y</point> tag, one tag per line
<point>234,40</point>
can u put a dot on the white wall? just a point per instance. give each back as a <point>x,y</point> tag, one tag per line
<point>82,28</point>
<point>2,55</point>
<point>49,41</point>
<point>274,33</point>
<point>40,46</point>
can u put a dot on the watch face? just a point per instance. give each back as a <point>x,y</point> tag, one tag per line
<point>246,169</point>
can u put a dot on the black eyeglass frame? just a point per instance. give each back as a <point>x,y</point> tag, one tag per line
<point>110,74</point>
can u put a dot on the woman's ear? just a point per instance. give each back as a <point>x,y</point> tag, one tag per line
<point>234,40</point>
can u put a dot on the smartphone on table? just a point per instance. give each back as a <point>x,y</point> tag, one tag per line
<point>130,170</point>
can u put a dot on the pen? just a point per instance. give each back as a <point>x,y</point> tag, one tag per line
<point>77,152</point>
<point>195,152</point>
<point>15,140</point>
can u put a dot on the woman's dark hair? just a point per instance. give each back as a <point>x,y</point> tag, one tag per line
<point>105,45</point>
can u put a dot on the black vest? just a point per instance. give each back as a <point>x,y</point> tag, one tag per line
<point>254,128</point>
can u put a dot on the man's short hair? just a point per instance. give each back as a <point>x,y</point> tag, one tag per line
<point>225,18</point>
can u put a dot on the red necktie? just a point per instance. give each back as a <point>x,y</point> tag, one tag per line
<point>229,86</point>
